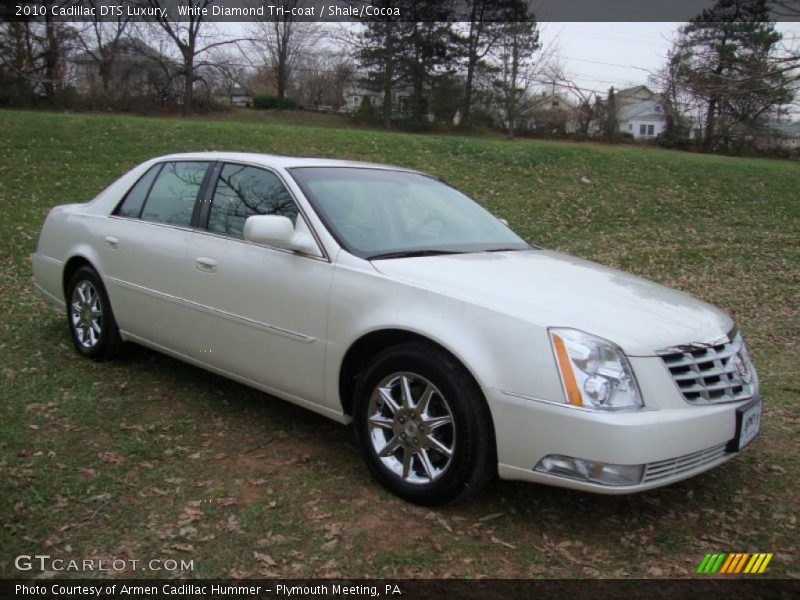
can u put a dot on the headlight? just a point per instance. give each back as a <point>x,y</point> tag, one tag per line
<point>594,372</point>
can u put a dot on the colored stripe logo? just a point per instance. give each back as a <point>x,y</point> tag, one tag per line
<point>734,563</point>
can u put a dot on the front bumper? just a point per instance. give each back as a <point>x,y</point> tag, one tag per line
<point>674,444</point>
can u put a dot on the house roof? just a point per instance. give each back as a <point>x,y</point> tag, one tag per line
<point>645,109</point>
<point>632,91</point>
<point>128,49</point>
<point>545,100</point>
<point>786,129</point>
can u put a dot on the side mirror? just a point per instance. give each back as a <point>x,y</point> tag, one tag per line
<point>278,231</point>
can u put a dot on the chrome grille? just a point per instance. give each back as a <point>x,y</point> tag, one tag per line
<point>663,469</point>
<point>707,374</point>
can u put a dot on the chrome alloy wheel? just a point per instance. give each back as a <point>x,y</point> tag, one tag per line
<point>86,314</point>
<point>411,428</point>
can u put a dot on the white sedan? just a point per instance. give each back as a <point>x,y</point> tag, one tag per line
<point>382,296</point>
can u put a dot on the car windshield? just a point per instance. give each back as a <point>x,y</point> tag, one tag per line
<point>381,213</point>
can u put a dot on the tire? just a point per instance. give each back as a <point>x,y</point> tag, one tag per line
<point>406,444</point>
<point>89,316</point>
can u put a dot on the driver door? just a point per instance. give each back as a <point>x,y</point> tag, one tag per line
<point>259,312</point>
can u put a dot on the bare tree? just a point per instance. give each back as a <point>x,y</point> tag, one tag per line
<point>227,72</point>
<point>478,37</point>
<point>282,42</point>
<point>321,77</point>
<point>193,38</point>
<point>33,54</point>
<point>100,39</point>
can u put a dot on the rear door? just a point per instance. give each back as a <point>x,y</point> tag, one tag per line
<point>145,251</point>
<point>260,312</point>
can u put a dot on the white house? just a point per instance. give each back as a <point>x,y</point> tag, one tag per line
<point>552,113</point>
<point>777,135</point>
<point>355,94</point>
<point>236,96</point>
<point>641,112</point>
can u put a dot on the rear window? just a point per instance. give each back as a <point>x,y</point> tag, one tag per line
<point>131,205</point>
<point>172,197</point>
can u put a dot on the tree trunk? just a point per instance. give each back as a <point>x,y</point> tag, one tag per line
<point>105,73</point>
<point>388,77</point>
<point>472,61</point>
<point>467,105</point>
<point>711,124</point>
<point>188,83</point>
<point>51,57</point>
<point>511,102</point>
<point>281,77</point>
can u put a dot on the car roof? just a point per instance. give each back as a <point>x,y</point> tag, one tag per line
<point>280,161</point>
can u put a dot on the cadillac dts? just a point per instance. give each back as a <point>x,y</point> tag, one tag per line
<point>384,297</point>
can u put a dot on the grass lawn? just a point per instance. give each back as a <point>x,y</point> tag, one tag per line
<point>149,458</point>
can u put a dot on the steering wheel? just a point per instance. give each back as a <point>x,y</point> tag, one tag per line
<point>428,222</point>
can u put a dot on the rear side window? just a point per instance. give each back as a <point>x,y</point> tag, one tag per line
<point>173,195</point>
<point>244,191</point>
<point>134,200</point>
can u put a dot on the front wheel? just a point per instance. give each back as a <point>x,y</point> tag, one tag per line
<point>91,321</point>
<point>424,426</point>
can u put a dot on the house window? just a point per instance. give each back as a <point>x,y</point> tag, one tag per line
<point>651,129</point>
<point>642,129</point>
<point>630,126</point>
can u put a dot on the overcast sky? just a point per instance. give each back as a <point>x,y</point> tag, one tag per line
<point>599,55</point>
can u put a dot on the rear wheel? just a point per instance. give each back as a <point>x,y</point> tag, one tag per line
<point>89,315</point>
<point>423,425</point>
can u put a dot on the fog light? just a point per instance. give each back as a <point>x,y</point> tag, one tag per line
<point>589,470</point>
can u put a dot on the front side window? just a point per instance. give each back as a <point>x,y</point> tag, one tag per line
<point>376,213</point>
<point>244,191</point>
<point>173,195</point>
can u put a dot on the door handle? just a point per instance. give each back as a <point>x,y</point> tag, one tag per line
<point>205,264</point>
<point>112,242</point>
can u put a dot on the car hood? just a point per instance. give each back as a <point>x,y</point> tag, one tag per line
<point>557,290</point>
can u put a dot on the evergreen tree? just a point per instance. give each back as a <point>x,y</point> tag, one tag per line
<point>407,54</point>
<point>514,52</point>
<point>722,61</point>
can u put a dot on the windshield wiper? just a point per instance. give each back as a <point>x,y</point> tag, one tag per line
<point>411,253</point>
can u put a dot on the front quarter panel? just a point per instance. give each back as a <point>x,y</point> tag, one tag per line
<point>501,351</point>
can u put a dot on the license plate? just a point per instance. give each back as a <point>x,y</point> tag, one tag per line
<point>749,424</point>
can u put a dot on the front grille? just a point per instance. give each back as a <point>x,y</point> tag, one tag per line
<point>664,469</point>
<point>712,374</point>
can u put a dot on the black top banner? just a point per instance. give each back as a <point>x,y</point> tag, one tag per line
<point>370,10</point>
